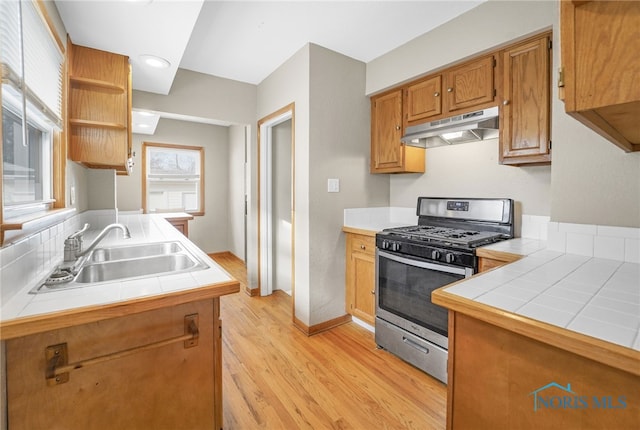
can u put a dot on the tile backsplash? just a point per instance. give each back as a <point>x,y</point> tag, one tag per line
<point>614,243</point>
<point>32,258</point>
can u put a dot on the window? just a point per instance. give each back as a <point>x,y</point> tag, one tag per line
<point>173,178</point>
<point>32,74</point>
<point>26,167</point>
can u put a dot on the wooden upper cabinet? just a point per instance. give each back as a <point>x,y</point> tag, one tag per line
<point>470,84</point>
<point>600,41</point>
<point>423,100</point>
<point>388,154</point>
<point>525,110</point>
<point>99,108</point>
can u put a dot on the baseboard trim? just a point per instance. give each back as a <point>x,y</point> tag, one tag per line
<point>226,254</point>
<point>319,328</point>
<point>252,292</point>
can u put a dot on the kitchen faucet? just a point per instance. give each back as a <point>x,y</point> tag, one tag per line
<point>73,244</point>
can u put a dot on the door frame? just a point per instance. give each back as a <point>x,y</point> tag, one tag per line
<point>264,202</point>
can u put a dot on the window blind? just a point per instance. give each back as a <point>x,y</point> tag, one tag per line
<point>23,30</point>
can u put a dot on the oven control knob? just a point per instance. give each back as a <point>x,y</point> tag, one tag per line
<point>450,258</point>
<point>395,247</point>
<point>384,244</point>
<point>435,255</point>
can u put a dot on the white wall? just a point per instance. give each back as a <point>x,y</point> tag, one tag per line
<point>590,181</point>
<point>210,231</point>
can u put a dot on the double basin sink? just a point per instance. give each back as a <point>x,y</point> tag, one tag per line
<point>125,262</point>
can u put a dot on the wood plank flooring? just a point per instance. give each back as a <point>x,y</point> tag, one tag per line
<point>275,377</point>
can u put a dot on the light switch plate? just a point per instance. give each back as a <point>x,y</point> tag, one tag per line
<point>333,185</point>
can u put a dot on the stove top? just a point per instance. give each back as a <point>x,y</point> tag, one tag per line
<point>445,235</point>
<point>450,230</point>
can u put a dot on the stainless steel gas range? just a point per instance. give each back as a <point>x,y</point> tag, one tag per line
<point>413,261</point>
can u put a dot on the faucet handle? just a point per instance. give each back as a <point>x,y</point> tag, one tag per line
<point>79,233</point>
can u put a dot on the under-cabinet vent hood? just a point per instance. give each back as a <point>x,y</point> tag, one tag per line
<point>468,127</point>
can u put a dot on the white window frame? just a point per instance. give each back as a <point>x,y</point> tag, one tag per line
<point>198,176</point>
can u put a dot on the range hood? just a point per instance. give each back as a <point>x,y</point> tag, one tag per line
<point>468,127</point>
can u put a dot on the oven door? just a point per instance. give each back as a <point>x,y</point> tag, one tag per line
<point>403,294</point>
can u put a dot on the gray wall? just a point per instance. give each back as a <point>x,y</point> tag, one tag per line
<point>228,102</point>
<point>287,84</point>
<point>339,137</point>
<point>590,180</point>
<point>331,141</point>
<point>205,96</point>
<point>210,231</point>
<point>281,175</point>
<point>237,174</point>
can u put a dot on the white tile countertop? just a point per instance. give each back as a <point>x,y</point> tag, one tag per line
<point>377,219</point>
<point>144,229</point>
<point>594,296</point>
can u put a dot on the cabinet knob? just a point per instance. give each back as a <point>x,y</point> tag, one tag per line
<point>436,94</point>
<point>363,247</point>
<point>373,292</point>
<point>505,102</point>
<point>397,127</point>
<point>449,90</point>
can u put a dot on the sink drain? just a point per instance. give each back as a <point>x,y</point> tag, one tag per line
<point>59,277</point>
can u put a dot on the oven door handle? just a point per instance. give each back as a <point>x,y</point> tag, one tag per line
<point>425,265</point>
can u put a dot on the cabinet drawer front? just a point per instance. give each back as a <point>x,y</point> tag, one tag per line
<point>360,243</point>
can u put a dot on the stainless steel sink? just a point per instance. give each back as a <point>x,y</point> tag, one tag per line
<point>133,268</point>
<point>134,251</point>
<point>118,263</point>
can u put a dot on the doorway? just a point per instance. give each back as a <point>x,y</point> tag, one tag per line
<point>276,202</point>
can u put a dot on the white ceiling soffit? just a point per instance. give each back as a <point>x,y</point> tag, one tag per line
<point>146,121</point>
<point>242,40</point>
<point>134,28</point>
<point>247,41</point>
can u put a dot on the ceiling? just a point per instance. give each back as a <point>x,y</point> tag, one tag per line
<point>245,40</point>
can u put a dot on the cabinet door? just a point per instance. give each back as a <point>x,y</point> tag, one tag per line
<point>386,131</point>
<point>170,386</point>
<point>360,277</point>
<point>363,305</point>
<point>423,99</point>
<point>600,44</point>
<point>470,84</point>
<point>525,107</point>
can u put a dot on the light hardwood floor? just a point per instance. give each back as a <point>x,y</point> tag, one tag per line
<point>275,377</point>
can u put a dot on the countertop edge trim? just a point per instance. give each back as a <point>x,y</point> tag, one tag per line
<point>361,231</point>
<point>507,257</point>
<point>56,320</point>
<point>616,356</point>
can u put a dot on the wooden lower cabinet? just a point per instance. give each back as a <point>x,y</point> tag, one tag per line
<point>500,379</point>
<point>360,277</point>
<point>175,385</point>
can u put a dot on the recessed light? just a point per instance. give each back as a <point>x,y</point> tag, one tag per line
<point>144,113</point>
<point>143,125</point>
<point>155,61</point>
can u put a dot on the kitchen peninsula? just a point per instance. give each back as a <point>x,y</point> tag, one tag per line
<point>143,353</point>
<point>521,356</point>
